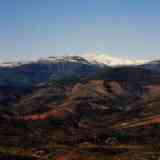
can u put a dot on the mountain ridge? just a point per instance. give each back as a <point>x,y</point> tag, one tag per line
<point>66,68</point>
<point>85,58</point>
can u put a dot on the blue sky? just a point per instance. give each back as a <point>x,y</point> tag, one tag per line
<point>40,28</point>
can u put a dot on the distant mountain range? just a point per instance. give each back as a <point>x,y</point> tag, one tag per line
<point>84,58</point>
<point>67,67</point>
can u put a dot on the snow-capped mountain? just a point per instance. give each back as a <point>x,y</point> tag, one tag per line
<point>34,72</point>
<point>48,60</point>
<point>92,58</point>
<point>46,69</point>
<point>111,61</point>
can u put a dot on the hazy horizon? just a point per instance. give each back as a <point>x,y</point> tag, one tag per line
<point>121,28</point>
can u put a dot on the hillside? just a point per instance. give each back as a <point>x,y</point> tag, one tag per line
<point>111,113</point>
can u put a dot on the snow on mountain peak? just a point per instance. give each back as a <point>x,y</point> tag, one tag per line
<point>111,61</point>
<point>48,60</point>
<point>100,59</point>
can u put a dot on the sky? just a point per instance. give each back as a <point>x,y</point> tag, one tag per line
<point>31,29</point>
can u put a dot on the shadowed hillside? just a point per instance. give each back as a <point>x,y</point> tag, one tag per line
<point>109,115</point>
